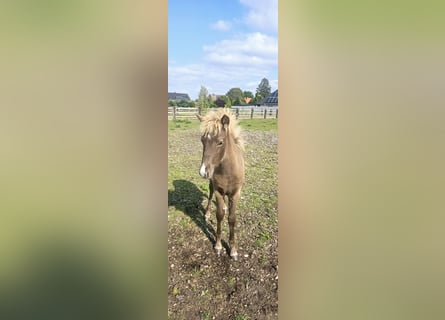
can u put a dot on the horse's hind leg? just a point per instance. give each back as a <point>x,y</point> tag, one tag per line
<point>220,210</point>
<point>233,200</point>
<point>209,203</point>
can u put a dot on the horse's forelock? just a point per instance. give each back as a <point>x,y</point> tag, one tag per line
<point>211,124</point>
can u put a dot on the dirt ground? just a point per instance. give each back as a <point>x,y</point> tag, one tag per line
<point>202,285</point>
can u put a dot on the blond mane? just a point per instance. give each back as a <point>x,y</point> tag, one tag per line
<point>211,124</point>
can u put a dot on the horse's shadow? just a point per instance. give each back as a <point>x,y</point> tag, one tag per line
<point>188,198</point>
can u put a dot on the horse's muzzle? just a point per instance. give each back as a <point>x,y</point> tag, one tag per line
<point>204,172</point>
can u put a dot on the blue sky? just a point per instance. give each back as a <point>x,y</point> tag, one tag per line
<point>221,44</point>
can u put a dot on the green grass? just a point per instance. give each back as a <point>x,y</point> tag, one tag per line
<point>246,124</point>
<point>263,236</point>
<point>183,124</point>
<point>259,124</point>
<point>232,282</point>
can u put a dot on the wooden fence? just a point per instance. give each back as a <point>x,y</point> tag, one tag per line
<point>180,113</point>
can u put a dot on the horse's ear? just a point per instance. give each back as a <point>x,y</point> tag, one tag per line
<point>199,117</point>
<point>225,121</point>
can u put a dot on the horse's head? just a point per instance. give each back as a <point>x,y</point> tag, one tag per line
<point>214,141</point>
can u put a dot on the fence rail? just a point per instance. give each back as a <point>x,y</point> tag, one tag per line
<point>241,112</point>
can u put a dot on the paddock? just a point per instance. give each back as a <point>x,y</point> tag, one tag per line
<point>201,284</point>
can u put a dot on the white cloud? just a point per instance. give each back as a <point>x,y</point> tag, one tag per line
<point>222,25</point>
<point>263,14</point>
<point>217,79</point>
<point>273,84</point>
<point>238,62</point>
<point>248,50</point>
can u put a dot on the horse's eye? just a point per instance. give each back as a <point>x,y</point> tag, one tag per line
<point>219,143</point>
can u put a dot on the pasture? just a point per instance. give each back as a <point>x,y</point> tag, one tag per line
<point>202,285</point>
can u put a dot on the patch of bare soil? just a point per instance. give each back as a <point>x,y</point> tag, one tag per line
<point>202,285</point>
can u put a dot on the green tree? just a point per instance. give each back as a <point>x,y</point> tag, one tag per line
<point>203,101</point>
<point>220,103</point>
<point>263,88</point>
<point>183,103</point>
<point>257,99</point>
<point>248,97</point>
<point>236,96</point>
<point>211,102</point>
<point>227,102</point>
<point>248,94</point>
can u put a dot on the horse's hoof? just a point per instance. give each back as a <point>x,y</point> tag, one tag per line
<point>234,256</point>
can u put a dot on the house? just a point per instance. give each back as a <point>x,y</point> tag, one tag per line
<point>178,96</point>
<point>271,100</point>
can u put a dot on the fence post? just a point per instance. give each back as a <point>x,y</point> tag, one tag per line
<point>199,110</point>
<point>251,113</point>
<point>174,112</point>
<point>265,113</point>
<point>276,114</point>
<point>237,113</point>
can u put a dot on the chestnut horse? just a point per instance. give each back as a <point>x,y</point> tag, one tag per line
<point>223,164</point>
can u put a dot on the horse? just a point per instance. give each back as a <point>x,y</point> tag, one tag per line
<point>223,165</point>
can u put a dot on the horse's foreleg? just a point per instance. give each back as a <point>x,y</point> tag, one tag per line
<point>220,210</point>
<point>233,200</point>
<point>209,203</point>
